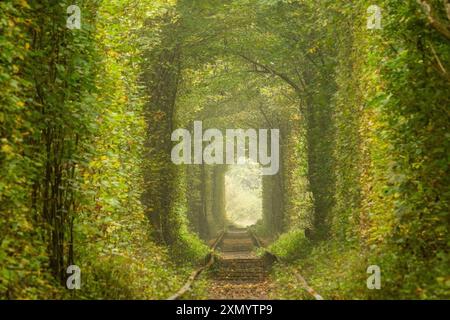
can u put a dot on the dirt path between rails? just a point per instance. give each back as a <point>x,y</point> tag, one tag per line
<point>239,273</point>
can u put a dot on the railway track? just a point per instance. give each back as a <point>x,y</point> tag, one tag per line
<point>236,271</point>
<point>237,261</point>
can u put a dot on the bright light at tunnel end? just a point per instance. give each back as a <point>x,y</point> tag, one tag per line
<point>238,143</point>
<point>243,194</point>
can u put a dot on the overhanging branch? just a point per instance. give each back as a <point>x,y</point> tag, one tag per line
<point>434,21</point>
<point>272,71</point>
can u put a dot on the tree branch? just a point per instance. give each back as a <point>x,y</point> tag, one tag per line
<point>269,123</point>
<point>435,22</point>
<point>274,72</point>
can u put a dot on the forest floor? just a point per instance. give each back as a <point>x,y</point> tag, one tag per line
<point>226,290</point>
<point>240,273</point>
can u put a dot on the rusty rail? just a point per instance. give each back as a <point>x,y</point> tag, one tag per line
<point>210,261</point>
<point>196,273</point>
<point>297,274</point>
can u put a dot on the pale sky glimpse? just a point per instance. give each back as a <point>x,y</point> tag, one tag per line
<point>243,193</point>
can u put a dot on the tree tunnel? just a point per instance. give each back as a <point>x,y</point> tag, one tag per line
<point>236,85</point>
<point>239,195</point>
<point>99,140</point>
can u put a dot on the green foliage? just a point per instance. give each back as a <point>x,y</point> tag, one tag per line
<point>335,271</point>
<point>86,118</point>
<point>49,85</point>
<point>390,160</point>
<point>71,157</point>
<point>291,245</point>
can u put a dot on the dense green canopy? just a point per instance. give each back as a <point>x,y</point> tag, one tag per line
<point>86,117</point>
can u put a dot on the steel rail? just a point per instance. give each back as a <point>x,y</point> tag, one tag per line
<point>196,273</point>
<point>297,274</point>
